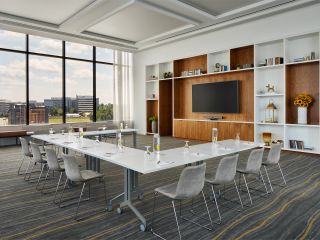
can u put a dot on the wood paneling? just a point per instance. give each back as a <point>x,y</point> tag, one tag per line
<point>201,130</point>
<point>242,55</point>
<point>183,96</point>
<point>165,108</point>
<point>189,64</point>
<point>152,110</point>
<point>302,78</point>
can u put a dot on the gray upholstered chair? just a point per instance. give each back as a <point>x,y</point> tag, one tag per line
<point>253,167</point>
<point>26,154</point>
<point>272,160</point>
<point>76,175</point>
<point>190,185</point>
<point>224,174</point>
<point>53,165</point>
<point>37,158</point>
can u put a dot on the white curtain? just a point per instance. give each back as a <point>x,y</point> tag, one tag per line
<point>123,87</point>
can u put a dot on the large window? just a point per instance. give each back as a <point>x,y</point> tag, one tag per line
<point>79,89</point>
<point>12,88</point>
<point>45,90</point>
<point>52,81</point>
<point>104,92</point>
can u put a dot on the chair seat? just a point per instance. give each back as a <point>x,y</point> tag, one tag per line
<point>89,174</point>
<point>268,163</point>
<point>211,179</point>
<point>246,171</point>
<point>168,190</point>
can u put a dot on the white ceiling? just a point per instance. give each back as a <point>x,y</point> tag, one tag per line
<point>133,24</point>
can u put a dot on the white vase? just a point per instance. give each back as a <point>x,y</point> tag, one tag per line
<point>302,115</point>
<point>154,126</point>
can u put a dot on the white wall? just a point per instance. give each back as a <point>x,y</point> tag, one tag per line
<point>274,27</point>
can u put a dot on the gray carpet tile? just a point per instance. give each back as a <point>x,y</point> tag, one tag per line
<point>292,212</point>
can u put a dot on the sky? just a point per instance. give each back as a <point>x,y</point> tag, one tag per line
<point>45,73</point>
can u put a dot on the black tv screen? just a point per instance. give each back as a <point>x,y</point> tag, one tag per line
<point>218,97</point>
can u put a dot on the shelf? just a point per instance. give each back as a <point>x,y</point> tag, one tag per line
<point>303,62</point>
<point>208,120</point>
<point>303,125</point>
<point>150,133</point>
<point>270,66</point>
<point>271,124</point>
<point>300,150</point>
<point>270,95</point>
<point>163,79</point>
<point>152,99</point>
<point>152,81</point>
<point>215,73</point>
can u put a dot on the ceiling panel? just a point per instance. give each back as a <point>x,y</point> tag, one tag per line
<point>217,7</point>
<point>50,11</point>
<point>136,23</point>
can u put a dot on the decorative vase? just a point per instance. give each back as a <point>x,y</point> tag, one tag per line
<point>154,126</point>
<point>302,115</point>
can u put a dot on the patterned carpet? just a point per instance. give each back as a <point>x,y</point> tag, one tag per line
<point>292,212</point>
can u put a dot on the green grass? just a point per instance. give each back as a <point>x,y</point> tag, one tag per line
<point>55,120</point>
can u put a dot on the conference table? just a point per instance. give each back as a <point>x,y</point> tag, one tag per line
<point>135,161</point>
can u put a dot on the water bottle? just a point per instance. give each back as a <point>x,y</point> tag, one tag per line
<point>156,143</point>
<point>119,141</point>
<point>121,126</point>
<point>214,135</point>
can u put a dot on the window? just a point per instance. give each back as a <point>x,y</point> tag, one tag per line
<point>104,86</point>
<point>76,50</point>
<point>45,45</point>
<point>104,55</point>
<point>45,90</point>
<point>12,88</point>
<point>12,40</point>
<point>79,91</point>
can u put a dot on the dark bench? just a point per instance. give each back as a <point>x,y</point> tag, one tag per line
<point>13,134</point>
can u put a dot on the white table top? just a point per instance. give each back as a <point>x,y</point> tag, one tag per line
<point>137,160</point>
<point>109,131</point>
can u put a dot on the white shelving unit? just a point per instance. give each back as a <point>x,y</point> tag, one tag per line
<point>289,49</point>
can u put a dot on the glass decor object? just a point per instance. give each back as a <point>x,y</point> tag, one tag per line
<point>214,135</point>
<point>271,113</point>
<point>267,136</point>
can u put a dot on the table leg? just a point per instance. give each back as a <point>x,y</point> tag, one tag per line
<point>134,136</point>
<point>128,187</point>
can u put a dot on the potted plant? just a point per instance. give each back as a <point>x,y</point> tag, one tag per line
<point>153,120</point>
<point>303,101</point>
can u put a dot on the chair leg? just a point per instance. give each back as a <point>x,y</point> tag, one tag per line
<point>45,180</point>
<point>20,164</point>
<point>245,181</point>
<point>284,180</point>
<point>175,214</point>
<point>40,175</point>
<point>64,187</point>
<point>265,169</point>
<point>153,209</point>
<point>26,172</point>
<point>83,186</point>
<point>31,171</point>
<point>105,191</point>
<point>263,182</point>
<point>215,200</point>
<point>57,188</point>
<point>205,202</point>
<point>235,184</point>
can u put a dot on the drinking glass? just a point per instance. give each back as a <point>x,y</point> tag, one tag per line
<point>62,131</point>
<point>238,137</point>
<point>147,153</point>
<point>51,131</point>
<point>214,135</point>
<point>97,139</point>
<point>104,127</point>
<point>186,147</point>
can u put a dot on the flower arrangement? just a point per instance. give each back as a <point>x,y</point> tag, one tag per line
<point>152,118</point>
<point>303,100</point>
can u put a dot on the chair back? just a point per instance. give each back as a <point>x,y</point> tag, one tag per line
<point>24,146</point>
<point>227,169</point>
<point>191,181</point>
<point>72,168</point>
<point>274,153</point>
<point>255,160</point>
<point>36,152</point>
<point>52,159</point>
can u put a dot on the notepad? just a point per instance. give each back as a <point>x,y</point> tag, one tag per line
<point>164,163</point>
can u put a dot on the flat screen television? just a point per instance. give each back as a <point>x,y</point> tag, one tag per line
<point>218,97</point>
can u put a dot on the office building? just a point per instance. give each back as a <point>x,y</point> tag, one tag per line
<point>160,119</point>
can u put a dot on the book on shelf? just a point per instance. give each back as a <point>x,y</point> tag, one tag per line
<point>296,144</point>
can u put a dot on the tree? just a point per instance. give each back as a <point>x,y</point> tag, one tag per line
<point>105,112</point>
